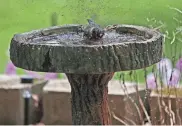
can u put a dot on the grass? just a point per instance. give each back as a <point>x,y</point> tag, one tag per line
<point>18,16</point>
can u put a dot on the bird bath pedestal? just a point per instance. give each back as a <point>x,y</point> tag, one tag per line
<point>88,64</point>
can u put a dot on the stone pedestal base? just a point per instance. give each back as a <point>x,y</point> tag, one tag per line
<point>57,103</point>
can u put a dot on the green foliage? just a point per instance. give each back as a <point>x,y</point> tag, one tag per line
<point>19,16</point>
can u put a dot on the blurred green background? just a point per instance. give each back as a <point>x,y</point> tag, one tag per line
<point>17,16</point>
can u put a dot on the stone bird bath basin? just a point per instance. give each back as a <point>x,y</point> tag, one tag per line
<point>88,64</point>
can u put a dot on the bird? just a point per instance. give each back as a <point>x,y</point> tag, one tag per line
<point>93,31</point>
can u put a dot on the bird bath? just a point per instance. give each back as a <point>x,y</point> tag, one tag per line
<point>88,64</point>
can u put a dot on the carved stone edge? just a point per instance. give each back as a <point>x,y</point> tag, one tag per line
<point>92,59</point>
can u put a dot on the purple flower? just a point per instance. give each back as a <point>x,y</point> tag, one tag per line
<point>10,69</point>
<point>164,65</point>
<point>151,81</point>
<point>175,77</point>
<point>49,76</point>
<point>33,74</point>
<point>164,68</point>
<point>179,64</point>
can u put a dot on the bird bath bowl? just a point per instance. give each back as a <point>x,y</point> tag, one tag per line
<point>88,64</point>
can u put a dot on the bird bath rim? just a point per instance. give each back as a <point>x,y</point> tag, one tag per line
<point>154,35</point>
<point>84,59</point>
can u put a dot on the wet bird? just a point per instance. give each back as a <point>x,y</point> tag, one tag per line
<point>93,31</point>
